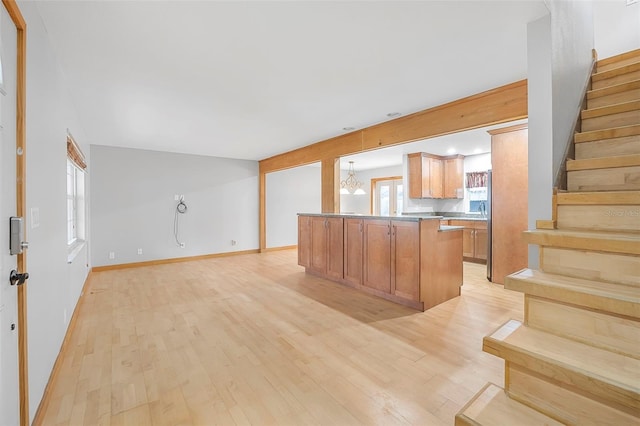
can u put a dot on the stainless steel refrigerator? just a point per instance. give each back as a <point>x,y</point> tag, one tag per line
<point>489,231</point>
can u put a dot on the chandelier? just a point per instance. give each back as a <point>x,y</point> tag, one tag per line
<point>351,184</point>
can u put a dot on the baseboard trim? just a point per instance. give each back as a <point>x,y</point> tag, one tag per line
<point>46,396</point>
<point>268,249</point>
<point>172,260</point>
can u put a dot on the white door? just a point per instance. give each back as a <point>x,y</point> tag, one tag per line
<point>388,197</point>
<point>9,396</point>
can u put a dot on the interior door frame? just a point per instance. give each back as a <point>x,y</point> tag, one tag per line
<point>21,176</point>
<point>374,182</point>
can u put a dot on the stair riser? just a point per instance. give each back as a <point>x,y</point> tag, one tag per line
<point>628,60</point>
<point>597,328</point>
<point>590,265</point>
<point>618,79</point>
<point>608,148</point>
<point>613,395</point>
<point>614,179</point>
<point>627,118</point>
<point>565,405</point>
<point>615,98</point>
<point>599,218</point>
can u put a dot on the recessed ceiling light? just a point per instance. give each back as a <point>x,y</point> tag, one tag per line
<point>451,151</point>
<point>348,129</point>
<point>393,114</point>
<point>477,151</point>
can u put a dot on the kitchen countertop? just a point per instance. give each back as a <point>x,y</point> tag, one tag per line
<point>361,216</point>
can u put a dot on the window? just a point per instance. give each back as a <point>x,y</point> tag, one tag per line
<point>75,203</point>
<point>76,223</point>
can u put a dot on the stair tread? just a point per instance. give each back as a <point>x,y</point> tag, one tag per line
<point>599,198</point>
<point>616,132</point>
<point>612,60</point>
<point>604,162</point>
<point>586,240</point>
<point>611,368</point>
<point>492,406</point>
<point>618,88</point>
<point>611,109</point>
<point>593,294</point>
<point>625,69</point>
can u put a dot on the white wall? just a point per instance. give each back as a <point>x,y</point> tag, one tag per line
<point>559,65</point>
<point>616,27</point>
<point>361,204</point>
<point>540,146</point>
<point>54,285</point>
<point>133,205</point>
<point>572,40</point>
<point>290,192</point>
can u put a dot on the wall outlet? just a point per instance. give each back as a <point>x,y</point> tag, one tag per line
<point>139,251</point>
<point>234,242</point>
<point>64,314</point>
<point>112,255</point>
<point>182,245</point>
<point>176,197</point>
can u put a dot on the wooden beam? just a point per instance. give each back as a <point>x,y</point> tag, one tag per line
<point>500,105</point>
<point>21,177</point>
<point>330,182</point>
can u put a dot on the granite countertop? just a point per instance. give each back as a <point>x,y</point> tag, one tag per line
<point>362,216</point>
<point>447,215</point>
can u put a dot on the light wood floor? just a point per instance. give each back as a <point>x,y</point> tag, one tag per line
<point>252,339</point>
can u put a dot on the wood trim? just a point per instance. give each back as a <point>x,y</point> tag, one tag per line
<point>508,129</point>
<point>545,224</point>
<point>172,260</point>
<point>330,182</point>
<point>499,105</point>
<point>262,209</point>
<point>21,177</point>
<point>64,349</point>
<point>269,249</point>
<point>374,181</point>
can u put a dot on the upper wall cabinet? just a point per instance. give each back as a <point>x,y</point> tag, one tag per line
<point>432,176</point>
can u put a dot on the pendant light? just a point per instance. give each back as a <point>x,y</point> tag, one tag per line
<point>351,184</point>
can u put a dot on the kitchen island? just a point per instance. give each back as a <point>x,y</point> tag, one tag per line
<point>406,259</point>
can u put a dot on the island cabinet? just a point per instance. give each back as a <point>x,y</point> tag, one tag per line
<point>326,254</point>
<point>304,241</point>
<point>353,250</point>
<point>409,261</point>
<point>391,257</point>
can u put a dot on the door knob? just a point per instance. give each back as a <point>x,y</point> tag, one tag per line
<point>18,279</point>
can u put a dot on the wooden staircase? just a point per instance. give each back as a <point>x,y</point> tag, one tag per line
<point>576,357</point>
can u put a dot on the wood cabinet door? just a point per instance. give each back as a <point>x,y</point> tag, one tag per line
<point>454,178</point>
<point>353,250</point>
<point>468,242</point>
<point>435,178</point>
<point>377,254</point>
<point>415,175</point>
<point>318,255</point>
<point>335,253</point>
<point>405,259</point>
<point>304,241</point>
<point>481,243</point>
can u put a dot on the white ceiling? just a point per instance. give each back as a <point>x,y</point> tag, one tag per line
<point>253,79</point>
